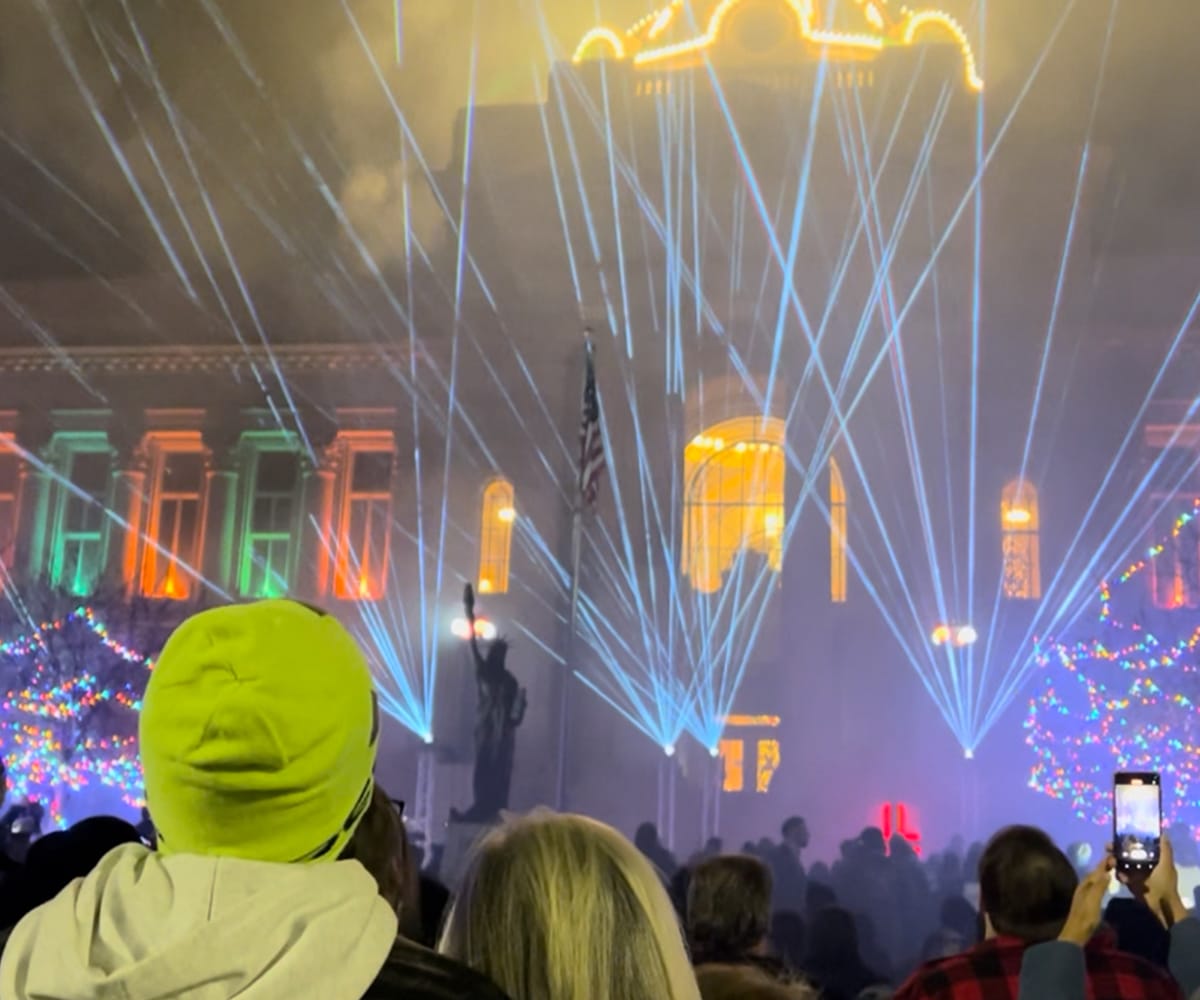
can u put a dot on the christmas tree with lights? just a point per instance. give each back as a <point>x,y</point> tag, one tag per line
<point>1125,698</point>
<point>73,673</point>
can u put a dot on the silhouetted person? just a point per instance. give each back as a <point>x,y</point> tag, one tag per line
<point>788,867</point>
<point>646,840</point>
<point>787,939</point>
<point>960,917</point>
<point>817,897</point>
<point>500,709</point>
<point>58,859</point>
<point>20,827</point>
<point>833,961</point>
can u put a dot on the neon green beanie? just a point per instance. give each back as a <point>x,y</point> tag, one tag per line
<point>258,735</point>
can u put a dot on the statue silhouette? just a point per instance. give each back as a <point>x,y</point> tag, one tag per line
<point>500,709</point>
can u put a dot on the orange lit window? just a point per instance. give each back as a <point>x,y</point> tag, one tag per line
<point>837,534</point>
<point>1175,571</point>
<point>10,493</point>
<point>735,473</point>
<point>366,522</point>
<point>175,532</point>
<point>495,536</point>
<point>1019,522</point>
<point>733,754</point>
<point>768,764</point>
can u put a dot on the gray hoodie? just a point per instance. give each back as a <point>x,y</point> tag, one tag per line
<point>143,926</point>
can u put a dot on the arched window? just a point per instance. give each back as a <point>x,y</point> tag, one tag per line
<point>837,534</point>
<point>495,536</point>
<point>1019,522</point>
<point>735,474</point>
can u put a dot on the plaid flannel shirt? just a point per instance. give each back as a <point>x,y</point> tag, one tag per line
<point>992,971</point>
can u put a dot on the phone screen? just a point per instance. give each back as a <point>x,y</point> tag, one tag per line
<point>1137,820</point>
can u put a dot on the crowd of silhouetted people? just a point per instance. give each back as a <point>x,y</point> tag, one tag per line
<point>271,865</point>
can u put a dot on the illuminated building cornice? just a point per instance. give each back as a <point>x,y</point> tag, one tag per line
<point>645,47</point>
<point>207,360</point>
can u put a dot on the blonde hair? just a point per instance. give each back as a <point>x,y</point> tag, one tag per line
<point>558,907</point>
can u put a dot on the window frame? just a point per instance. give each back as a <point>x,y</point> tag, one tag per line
<point>355,444</point>
<point>66,449</point>
<point>162,446</point>
<point>257,446</point>
<point>495,535</point>
<point>1021,541</point>
<point>749,435</point>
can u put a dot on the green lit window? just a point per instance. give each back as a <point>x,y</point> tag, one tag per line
<point>267,548</point>
<point>77,556</point>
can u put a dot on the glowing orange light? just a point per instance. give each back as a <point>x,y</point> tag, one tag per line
<point>768,764</point>
<point>1018,515</point>
<point>599,36</point>
<point>752,721</point>
<point>853,45</point>
<point>507,514</point>
<point>364,586</point>
<point>733,753</point>
<point>171,586</point>
<point>941,635</point>
<point>484,629</point>
<point>936,17</point>
<point>485,586</point>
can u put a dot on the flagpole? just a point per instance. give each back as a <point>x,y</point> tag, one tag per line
<point>564,706</point>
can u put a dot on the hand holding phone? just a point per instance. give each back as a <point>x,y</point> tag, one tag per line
<point>1159,889</point>
<point>1137,822</point>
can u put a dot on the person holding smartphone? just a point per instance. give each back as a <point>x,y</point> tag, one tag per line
<point>1143,860</point>
<point>1027,887</point>
<point>1056,970</point>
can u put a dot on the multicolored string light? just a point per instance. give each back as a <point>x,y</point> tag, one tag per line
<point>1124,700</point>
<point>47,753</point>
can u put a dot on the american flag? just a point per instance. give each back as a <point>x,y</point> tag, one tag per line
<point>591,438</point>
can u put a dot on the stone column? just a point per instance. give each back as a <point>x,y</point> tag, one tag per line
<point>33,499</point>
<point>219,561</point>
<point>317,533</point>
<point>315,529</point>
<point>129,503</point>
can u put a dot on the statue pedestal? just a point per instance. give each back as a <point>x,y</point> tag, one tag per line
<point>461,837</point>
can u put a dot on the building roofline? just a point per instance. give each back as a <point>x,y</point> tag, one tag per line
<point>197,360</point>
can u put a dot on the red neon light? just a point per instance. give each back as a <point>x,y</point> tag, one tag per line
<point>898,825</point>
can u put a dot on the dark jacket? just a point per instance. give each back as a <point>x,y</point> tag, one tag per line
<point>415,973</point>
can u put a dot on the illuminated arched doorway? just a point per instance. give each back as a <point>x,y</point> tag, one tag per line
<point>734,473</point>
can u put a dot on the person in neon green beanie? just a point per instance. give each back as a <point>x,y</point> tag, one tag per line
<point>259,734</point>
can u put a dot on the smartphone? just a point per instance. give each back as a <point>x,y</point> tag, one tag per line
<point>1137,820</point>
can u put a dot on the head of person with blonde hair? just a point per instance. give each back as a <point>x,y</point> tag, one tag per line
<point>560,907</point>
